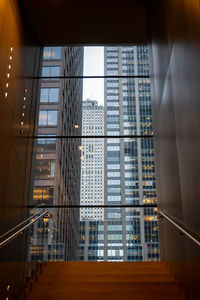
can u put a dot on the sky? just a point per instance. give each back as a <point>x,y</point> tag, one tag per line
<point>93,66</point>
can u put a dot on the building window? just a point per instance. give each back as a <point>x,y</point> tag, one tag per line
<point>51,71</point>
<point>46,145</point>
<point>49,95</point>
<point>48,117</point>
<point>44,168</point>
<point>43,194</point>
<point>51,53</point>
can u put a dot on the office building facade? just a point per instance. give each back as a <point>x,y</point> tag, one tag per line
<point>130,233</point>
<point>92,162</point>
<point>92,182</point>
<point>56,166</point>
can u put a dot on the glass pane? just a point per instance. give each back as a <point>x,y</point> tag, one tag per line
<point>43,118</point>
<point>52,117</point>
<point>48,117</point>
<point>51,53</point>
<point>56,53</point>
<point>55,71</point>
<point>49,95</point>
<point>44,92</point>
<point>46,71</point>
<point>53,94</point>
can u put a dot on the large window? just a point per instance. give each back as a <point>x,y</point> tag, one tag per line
<point>49,95</point>
<point>50,71</point>
<point>44,168</point>
<point>48,118</point>
<point>43,194</point>
<point>51,53</point>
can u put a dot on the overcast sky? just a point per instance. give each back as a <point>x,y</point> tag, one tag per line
<point>93,66</point>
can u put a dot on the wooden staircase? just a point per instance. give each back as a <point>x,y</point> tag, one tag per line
<point>105,280</point>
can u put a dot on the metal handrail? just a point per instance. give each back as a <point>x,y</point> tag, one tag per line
<point>20,224</point>
<point>179,227</point>
<point>19,232</point>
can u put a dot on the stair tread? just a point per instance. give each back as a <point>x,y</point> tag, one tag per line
<point>107,278</point>
<point>106,295</point>
<point>108,286</point>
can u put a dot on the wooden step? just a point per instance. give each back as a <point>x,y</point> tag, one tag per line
<point>108,287</point>
<point>108,265</point>
<point>105,278</point>
<point>52,295</point>
<point>92,268</point>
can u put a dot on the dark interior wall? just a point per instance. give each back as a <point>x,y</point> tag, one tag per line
<point>175,63</point>
<point>15,150</point>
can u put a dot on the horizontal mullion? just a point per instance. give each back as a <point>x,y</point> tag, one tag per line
<point>96,206</point>
<point>88,77</point>
<point>90,136</point>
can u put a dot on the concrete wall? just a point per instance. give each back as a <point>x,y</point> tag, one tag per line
<point>175,29</point>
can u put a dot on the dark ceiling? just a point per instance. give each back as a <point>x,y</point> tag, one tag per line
<point>60,22</point>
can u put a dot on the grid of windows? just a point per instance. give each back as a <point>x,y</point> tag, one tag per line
<point>132,182</point>
<point>92,174</point>
<point>56,162</point>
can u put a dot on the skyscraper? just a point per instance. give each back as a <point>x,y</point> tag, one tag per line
<point>56,162</point>
<point>92,163</point>
<point>131,233</point>
<point>92,182</point>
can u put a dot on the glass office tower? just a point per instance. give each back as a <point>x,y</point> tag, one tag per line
<point>130,233</point>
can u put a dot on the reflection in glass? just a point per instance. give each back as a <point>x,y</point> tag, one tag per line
<point>51,53</point>
<point>45,145</point>
<point>49,95</point>
<point>44,168</point>
<point>48,117</point>
<point>51,71</point>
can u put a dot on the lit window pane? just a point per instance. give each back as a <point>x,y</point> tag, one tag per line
<point>43,194</point>
<point>44,168</point>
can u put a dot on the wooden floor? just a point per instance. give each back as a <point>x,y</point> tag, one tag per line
<point>105,280</point>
